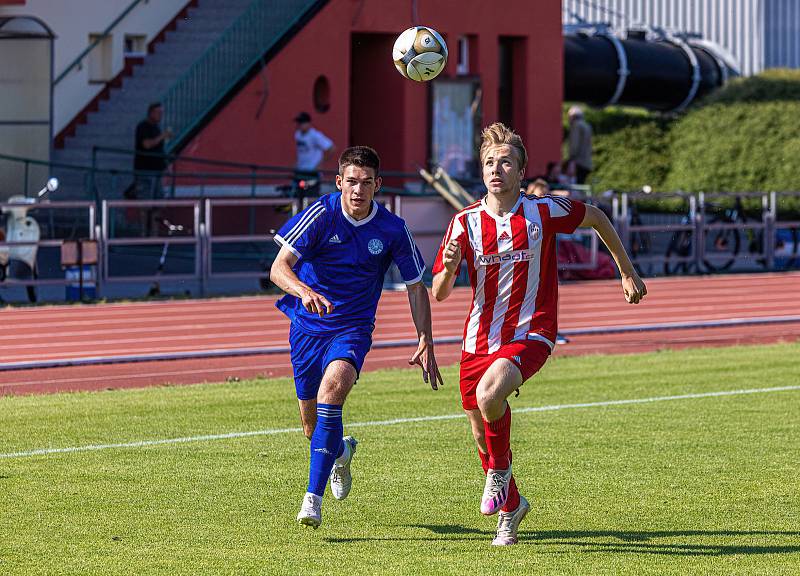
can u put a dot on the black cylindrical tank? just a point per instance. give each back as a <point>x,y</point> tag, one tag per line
<point>666,74</point>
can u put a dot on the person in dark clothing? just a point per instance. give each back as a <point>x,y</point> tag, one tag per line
<point>149,161</point>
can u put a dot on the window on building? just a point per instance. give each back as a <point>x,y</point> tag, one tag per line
<point>467,55</point>
<point>322,94</point>
<point>100,58</point>
<point>456,121</point>
<point>135,45</point>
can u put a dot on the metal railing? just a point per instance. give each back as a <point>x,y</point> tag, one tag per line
<point>108,238</point>
<point>713,233</point>
<point>225,63</point>
<point>211,239</point>
<point>215,230</point>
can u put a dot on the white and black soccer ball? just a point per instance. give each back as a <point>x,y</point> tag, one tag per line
<point>420,53</point>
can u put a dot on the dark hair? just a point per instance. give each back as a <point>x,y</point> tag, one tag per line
<point>153,106</point>
<point>361,156</point>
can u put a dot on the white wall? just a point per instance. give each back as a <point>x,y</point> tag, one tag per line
<point>72,21</point>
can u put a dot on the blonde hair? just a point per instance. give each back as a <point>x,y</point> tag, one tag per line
<point>538,187</point>
<point>498,134</point>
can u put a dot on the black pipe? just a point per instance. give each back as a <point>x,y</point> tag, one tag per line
<point>665,74</point>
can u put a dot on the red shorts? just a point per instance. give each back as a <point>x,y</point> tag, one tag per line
<point>528,355</point>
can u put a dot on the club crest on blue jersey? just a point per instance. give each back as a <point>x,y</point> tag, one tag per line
<point>375,246</point>
<point>534,231</point>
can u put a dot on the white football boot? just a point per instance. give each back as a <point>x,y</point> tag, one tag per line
<point>311,510</point>
<point>341,478</point>
<point>508,523</point>
<point>495,491</point>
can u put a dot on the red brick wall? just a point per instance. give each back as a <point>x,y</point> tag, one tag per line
<point>323,48</point>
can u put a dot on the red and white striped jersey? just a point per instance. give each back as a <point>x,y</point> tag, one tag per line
<point>512,268</point>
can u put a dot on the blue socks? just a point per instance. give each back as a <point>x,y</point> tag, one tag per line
<point>326,446</point>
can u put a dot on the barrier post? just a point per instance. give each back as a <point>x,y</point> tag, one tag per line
<point>623,220</point>
<point>25,184</point>
<point>698,221</point>
<point>769,211</point>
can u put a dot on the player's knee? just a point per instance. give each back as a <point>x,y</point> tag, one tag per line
<point>333,392</point>
<point>488,400</point>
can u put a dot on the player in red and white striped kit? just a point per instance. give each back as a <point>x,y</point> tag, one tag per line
<point>509,243</point>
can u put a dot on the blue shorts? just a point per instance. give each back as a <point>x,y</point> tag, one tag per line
<point>311,354</point>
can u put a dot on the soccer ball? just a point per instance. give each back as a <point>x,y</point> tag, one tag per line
<point>420,53</point>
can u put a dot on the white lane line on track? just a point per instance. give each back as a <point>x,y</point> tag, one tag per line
<point>723,285</point>
<point>227,329</point>
<point>449,352</point>
<point>112,356</point>
<point>274,431</point>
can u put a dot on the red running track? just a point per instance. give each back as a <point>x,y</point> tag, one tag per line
<point>757,308</point>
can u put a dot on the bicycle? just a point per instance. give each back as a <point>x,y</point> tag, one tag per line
<point>732,241</point>
<point>155,287</point>
<point>724,244</point>
<point>681,246</point>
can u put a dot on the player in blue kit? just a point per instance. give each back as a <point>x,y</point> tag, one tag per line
<point>331,264</point>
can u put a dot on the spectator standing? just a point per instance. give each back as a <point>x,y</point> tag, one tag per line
<point>580,144</point>
<point>149,161</point>
<point>313,149</point>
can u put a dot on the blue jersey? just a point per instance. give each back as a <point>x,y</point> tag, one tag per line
<point>345,260</point>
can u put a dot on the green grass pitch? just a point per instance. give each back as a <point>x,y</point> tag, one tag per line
<point>704,485</point>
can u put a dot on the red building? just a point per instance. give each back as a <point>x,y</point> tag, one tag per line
<point>505,59</point>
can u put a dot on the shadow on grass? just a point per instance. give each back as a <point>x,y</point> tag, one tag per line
<point>443,532</point>
<point>640,542</point>
<point>614,541</point>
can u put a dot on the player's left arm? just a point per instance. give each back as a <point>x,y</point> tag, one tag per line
<point>632,285</point>
<point>421,313</point>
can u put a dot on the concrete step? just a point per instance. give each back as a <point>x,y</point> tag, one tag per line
<point>117,132</point>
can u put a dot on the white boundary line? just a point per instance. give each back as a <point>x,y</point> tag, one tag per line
<point>229,435</point>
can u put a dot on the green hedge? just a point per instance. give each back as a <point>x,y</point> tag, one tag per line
<point>630,148</point>
<point>736,147</point>
<point>744,137</point>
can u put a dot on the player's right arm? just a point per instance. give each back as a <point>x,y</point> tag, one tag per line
<point>282,275</point>
<point>448,260</point>
<point>444,281</point>
<point>298,238</point>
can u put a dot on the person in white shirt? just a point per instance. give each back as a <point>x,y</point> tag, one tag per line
<point>313,149</point>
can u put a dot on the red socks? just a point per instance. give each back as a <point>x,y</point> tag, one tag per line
<point>498,434</point>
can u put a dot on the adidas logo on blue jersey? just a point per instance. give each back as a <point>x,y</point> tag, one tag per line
<point>335,239</point>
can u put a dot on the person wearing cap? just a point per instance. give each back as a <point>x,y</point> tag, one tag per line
<point>313,149</point>
<point>580,144</point>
